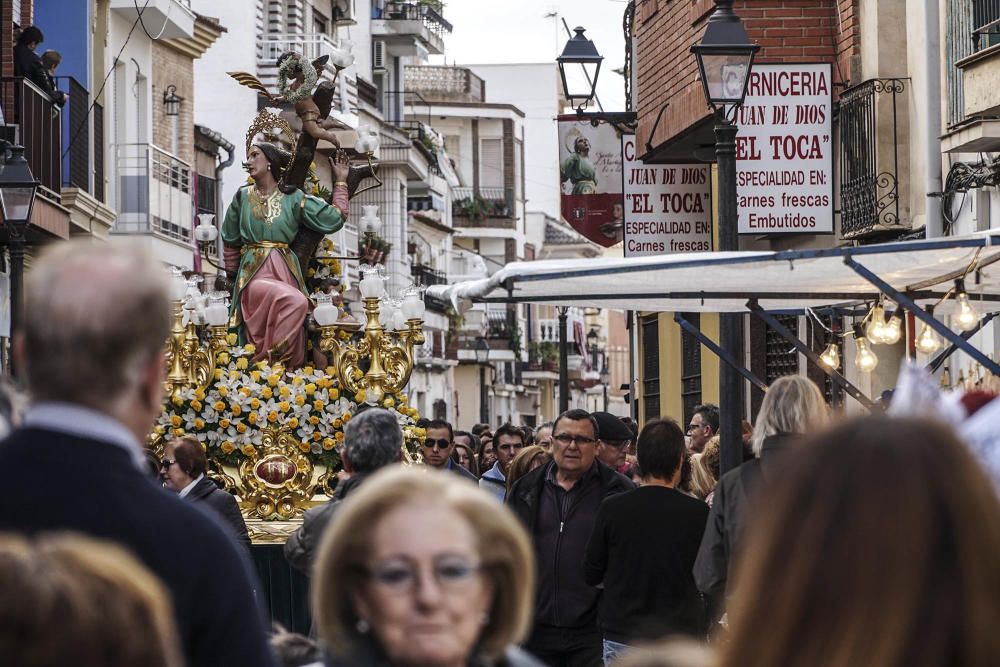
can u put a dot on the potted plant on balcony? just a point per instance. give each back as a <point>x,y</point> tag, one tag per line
<point>474,207</point>
<point>550,356</point>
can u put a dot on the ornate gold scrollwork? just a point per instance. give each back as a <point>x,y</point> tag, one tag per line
<point>277,477</point>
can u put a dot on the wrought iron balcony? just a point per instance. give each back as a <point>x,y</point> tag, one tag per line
<point>471,207</point>
<point>985,23</point>
<point>38,123</point>
<point>869,158</point>
<point>154,193</point>
<point>422,20</point>
<point>425,276</point>
<point>83,140</point>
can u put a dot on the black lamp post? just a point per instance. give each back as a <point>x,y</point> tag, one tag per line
<point>605,378</point>
<point>17,197</point>
<point>580,51</point>
<point>482,350</point>
<point>725,56</point>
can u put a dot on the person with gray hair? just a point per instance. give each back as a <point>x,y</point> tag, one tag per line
<point>91,349</point>
<point>372,440</point>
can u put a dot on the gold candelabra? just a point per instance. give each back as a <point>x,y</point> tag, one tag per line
<point>190,362</point>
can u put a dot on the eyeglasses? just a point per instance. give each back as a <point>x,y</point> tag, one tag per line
<point>441,443</point>
<point>399,577</point>
<point>692,427</point>
<point>166,463</point>
<point>566,438</point>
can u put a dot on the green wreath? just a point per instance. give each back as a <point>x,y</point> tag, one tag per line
<point>309,77</point>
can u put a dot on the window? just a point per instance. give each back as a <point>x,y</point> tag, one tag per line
<point>690,367</point>
<point>780,358</point>
<point>518,192</point>
<point>985,23</point>
<point>321,24</point>
<point>650,367</point>
<point>491,163</point>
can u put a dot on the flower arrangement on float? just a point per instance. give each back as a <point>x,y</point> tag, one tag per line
<point>247,396</point>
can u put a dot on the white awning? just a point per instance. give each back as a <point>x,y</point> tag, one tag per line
<point>725,281</point>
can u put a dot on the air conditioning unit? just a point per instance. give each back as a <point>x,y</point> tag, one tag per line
<point>378,55</point>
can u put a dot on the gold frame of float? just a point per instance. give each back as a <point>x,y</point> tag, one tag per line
<point>277,477</point>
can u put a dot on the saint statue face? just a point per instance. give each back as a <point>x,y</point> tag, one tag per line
<point>258,164</point>
<point>582,145</point>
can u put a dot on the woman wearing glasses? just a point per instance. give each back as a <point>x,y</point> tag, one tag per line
<point>420,568</point>
<point>183,469</point>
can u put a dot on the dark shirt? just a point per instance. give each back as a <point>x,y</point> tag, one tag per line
<point>643,549</point>
<point>29,65</point>
<point>565,521</point>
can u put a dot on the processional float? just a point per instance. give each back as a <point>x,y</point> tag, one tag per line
<point>271,428</point>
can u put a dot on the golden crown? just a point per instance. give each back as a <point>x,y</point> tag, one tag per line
<point>274,129</point>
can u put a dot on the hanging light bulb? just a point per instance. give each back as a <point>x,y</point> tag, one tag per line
<point>831,356</point>
<point>967,318</point>
<point>876,324</point>
<point>928,342</point>
<point>893,329</point>
<point>864,359</point>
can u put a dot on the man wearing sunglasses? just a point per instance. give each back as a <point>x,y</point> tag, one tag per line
<point>438,447</point>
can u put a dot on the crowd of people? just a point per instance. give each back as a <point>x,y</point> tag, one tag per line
<point>586,541</point>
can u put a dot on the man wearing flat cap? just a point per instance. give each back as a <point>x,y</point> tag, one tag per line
<point>614,438</point>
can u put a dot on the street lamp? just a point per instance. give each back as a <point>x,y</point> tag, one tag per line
<point>581,51</point>
<point>172,101</point>
<point>17,197</point>
<point>605,378</point>
<point>725,56</point>
<point>482,350</point>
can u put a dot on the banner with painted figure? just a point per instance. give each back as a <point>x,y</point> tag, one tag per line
<point>590,168</point>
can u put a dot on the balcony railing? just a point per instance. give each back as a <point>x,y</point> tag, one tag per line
<point>39,129</point>
<point>310,45</point>
<point>869,157</point>
<point>83,143</point>
<point>417,11</point>
<point>154,193</point>
<point>425,276</point>
<point>483,202</point>
<point>443,83</point>
<point>985,23</point>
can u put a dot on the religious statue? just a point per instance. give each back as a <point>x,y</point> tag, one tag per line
<point>270,301</point>
<point>299,92</point>
<point>578,169</point>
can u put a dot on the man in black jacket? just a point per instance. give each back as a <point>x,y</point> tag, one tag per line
<point>372,440</point>
<point>29,65</point>
<point>558,504</point>
<point>91,350</point>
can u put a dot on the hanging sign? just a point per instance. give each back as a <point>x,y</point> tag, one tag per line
<point>784,151</point>
<point>668,207</point>
<point>590,170</point>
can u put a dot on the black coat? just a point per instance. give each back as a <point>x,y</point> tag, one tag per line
<point>57,482</point>
<point>301,546</point>
<point>206,491</point>
<point>369,654</point>
<point>731,510</point>
<point>29,65</point>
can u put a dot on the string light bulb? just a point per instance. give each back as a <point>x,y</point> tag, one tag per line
<point>893,329</point>
<point>864,359</point>
<point>967,318</point>
<point>831,356</point>
<point>928,342</point>
<point>875,332</point>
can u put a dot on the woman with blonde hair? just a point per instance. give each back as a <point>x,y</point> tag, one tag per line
<point>422,568</point>
<point>851,566</point>
<point>705,470</point>
<point>66,599</point>
<point>792,408</point>
<point>526,460</point>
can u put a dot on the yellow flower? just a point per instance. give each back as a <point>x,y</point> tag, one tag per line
<point>255,376</point>
<point>196,405</point>
<point>310,389</point>
<point>250,347</point>
<point>241,428</point>
<point>159,430</point>
<point>300,400</point>
<point>231,338</point>
<point>261,365</point>
<point>337,423</point>
<point>219,406</point>
<point>272,416</point>
<point>293,422</point>
<point>222,359</point>
<point>248,449</point>
<point>316,436</point>
<point>223,392</point>
<point>273,379</point>
<point>241,363</point>
<point>178,432</point>
<point>358,374</point>
<point>218,374</point>
<point>227,447</point>
<point>252,418</point>
<point>284,406</point>
<point>308,370</point>
<point>234,374</point>
<point>311,272</point>
<point>255,403</point>
<point>199,394</point>
<point>346,417</point>
<point>339,435</point>
<point>328,444</point>
<point>284,391</point>
<point>304,446</point>
<point>177,400</point>
<point>237,410</point>
<point>245,391</point>
<point>224,423</point>
<point>360,396</point>
<point>388,403</point>
<point>322,383</point>
<point>331,371</point>
<point>266,392</point>
<point>334,393</point>
<point>175,420</point>
<point>314,420</point>
<point>317,404</point>
<point>199,424</point>
<point>297,380</point>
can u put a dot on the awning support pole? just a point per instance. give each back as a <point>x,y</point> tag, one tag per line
<point>719,352</point>
<point>943,355</point>
<point>906,302</point>
<point>809,354</point>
